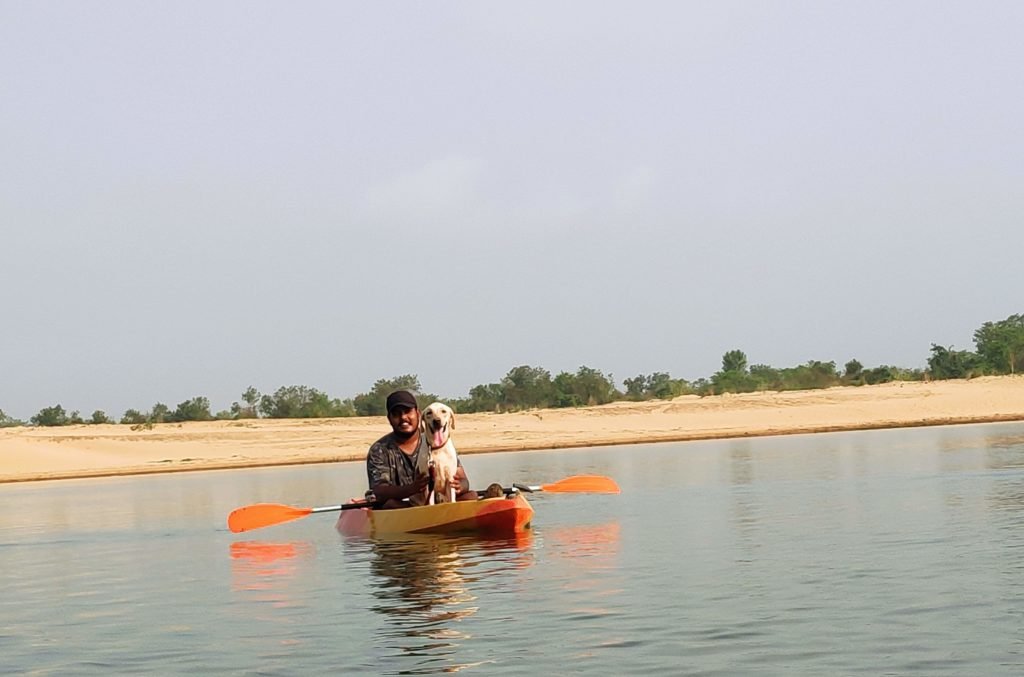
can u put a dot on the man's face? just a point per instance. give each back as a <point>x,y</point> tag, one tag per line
<point>405,421</point>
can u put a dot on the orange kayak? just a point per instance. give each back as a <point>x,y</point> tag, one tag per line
<point>486,516</point>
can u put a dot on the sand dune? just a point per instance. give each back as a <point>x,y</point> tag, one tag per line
<point>103,450</point>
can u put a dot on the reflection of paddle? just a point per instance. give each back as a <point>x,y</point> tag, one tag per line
<point>266,553</point>
<point>581,484</point>
<point>261,515</point>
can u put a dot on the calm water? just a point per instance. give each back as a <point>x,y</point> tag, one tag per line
<point>889,552</point>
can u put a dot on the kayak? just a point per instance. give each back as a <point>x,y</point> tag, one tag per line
<point>485,516</point>
<point>495,516</point>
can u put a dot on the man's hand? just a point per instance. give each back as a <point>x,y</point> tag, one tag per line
<point>462,490</point>
<point>390,492</point>
<point>461,481</point>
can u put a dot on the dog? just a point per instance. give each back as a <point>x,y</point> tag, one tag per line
<point>438,422</point>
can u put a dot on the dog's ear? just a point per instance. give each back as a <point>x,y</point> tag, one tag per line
<point>423,424</point>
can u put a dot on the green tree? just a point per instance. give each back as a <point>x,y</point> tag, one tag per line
<point>99,417</point>
<point>303,402</point>
<point>7,421</point>
<point>482,397</point>
<point>51,416</point>
<point>766,378</point>
<point>948,363</point>
<point>291,402</point>
<point>159,413</point>
<point>343,408</point>
<point>564,391</point>
<point>373,402</point>
<point>663,387</point>
<point>880,374</point>
<point>659,385</point>
<point>594,387</point>
<point>195,409</point>
<point>526,387</point>
<point>1000,345</point>
<point>636,388</point>
<point>814,374</point>
<point>587,387</point>
<point>252,398</point>
<point>733,377</point>
<point>133,417</point>
<point>853,372</point>
<point>703,386</point>
<point>734,361</point>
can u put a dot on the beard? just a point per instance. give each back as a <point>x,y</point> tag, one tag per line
<point>403,436</point>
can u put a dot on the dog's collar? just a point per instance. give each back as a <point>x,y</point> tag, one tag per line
<point>433,448</point>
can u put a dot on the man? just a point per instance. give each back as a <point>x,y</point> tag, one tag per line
<point>392,460</point>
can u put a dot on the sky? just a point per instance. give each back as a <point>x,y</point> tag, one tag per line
<point>198,197</point>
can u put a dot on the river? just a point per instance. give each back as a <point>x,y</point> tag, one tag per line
<point>882,552</point>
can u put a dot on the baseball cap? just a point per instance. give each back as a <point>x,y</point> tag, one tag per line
<point>401,398</point>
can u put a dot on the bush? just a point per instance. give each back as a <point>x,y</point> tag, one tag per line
<point>51,416</point>
<point>133,417</point>
<point>8,422</point>
<point>303,402</point>
<point>195,409</point>
<point>372,403</point>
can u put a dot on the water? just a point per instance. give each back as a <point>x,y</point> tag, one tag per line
<point>886,552</point>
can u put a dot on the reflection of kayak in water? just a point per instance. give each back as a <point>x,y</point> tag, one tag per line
<point>486,516</point>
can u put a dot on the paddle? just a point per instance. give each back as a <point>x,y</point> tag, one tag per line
<point>589,484</point>
<point>261,515</point>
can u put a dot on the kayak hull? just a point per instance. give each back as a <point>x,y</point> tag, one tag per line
<point>486,516</point>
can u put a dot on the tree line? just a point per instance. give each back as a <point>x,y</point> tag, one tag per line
<point>999,349</point>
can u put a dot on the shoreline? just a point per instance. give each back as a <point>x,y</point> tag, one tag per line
<point>95,451</point>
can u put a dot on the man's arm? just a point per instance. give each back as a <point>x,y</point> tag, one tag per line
<point>462,490</point>
<point>385,491</point>
<point>383,485</point>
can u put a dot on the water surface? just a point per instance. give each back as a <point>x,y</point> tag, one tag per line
<point>884,552</point>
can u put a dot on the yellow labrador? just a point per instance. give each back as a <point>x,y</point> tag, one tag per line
<point>438,423</point>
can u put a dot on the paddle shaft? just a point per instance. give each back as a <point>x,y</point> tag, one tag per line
<point>584,484</point>
<point>343,506</point>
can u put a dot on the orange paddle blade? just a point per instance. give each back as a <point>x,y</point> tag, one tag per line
<point>594,484</point>
<point>263,515</point>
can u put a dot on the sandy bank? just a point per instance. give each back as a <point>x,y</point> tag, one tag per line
<point>104,450</point>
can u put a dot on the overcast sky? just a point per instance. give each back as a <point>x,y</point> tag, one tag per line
<point>196,197</point>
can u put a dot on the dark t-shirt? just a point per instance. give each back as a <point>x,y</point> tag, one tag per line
<point>386,463</point>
